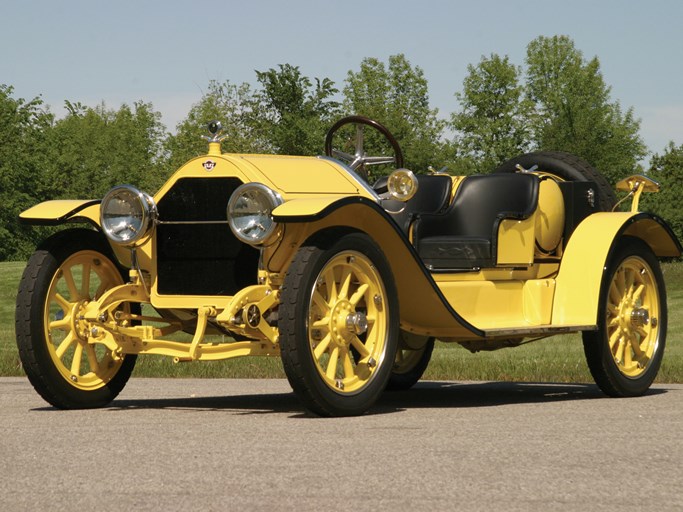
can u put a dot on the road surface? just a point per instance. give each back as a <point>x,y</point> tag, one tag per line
<point>239,445</point>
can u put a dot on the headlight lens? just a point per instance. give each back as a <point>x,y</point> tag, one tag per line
<point>127,215</point>
<point>402,184</point>
<point>249,213</point>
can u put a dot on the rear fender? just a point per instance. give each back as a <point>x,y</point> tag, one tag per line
<point>586,256</point>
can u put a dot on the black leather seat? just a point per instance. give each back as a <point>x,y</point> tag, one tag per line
<point>465,235</point>
<point>433,195</point>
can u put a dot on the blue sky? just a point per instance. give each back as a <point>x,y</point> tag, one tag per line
<point>167,52</point>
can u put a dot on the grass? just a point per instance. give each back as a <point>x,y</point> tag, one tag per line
<point>558,359</point>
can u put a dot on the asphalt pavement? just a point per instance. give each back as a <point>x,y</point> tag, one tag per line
<point>240,445</point>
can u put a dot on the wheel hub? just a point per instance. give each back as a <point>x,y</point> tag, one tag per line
<point>79,326</point>
<point>640,317</point>
<point>345,323</point>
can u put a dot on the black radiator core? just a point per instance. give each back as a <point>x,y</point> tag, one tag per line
<point>203,257</point>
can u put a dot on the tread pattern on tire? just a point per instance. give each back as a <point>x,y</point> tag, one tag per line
<point>28,317</point>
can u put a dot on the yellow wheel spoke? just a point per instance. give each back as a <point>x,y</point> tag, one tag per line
<point>613,310</point>
<point>64,345</point>
<point>615,297</point>
<point>85,284</point>
<point>635,346</point>
<point>322,347</point>
<point>331,371</point>
<point>628,355</point>
<point>360,347</point>
<point>620,281</point>
<point>619,355</point>
<point>76,361</point>
<point>356,297</point>
<point>323,323</point>
<point>103,287</point>
<point>92,358</point>
<point>643,333</point>
<point>349,371</point>
<point>638,292</point>
<point>71,284</point>
<point>64,324</point>
<point>614,340</point>
<point>345,283</point>
<point>63,303</point>
<point>320,302</point>
<point>331,285</point>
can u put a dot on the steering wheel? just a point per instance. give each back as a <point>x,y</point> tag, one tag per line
<point>359,160</point>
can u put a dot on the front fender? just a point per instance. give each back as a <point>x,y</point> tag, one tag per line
<point>423,307</point>
<point>586,256</point>
<point>53,213</point>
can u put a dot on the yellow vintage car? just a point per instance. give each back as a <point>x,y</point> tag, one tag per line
<point>348,282</point>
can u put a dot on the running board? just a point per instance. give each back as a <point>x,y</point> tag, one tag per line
<point>541,330</point>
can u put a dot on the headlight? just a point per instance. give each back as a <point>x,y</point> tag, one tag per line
<point>249,213</point>
<point>402,184</point>
<point>127,215</point>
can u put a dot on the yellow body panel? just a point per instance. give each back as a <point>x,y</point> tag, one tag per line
<point>516,242</point>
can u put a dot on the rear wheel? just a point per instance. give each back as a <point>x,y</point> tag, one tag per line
<point>67,271</point>
<point>412,358</point>
<point>566,167</point>
<point>625,353</point>
<point>338,324</point>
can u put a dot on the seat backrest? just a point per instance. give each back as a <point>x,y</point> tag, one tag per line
<point>433,195</point>
<point>481,202</point>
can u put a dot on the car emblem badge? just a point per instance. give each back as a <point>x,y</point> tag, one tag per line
<point>209,165</point>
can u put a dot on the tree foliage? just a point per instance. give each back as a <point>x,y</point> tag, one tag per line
<point>291,113</point>
<point>667,170</point>
<point>562,103</point>
<point>396,94</point>
<point>229,103</point>
<point>22,164</point>
<point>97,148</point>
<point>493,123</point>
<point>573,111</point>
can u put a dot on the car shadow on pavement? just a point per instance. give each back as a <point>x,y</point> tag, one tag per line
<point>430,394</point>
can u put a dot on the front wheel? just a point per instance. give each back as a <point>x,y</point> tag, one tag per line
<point>625,353</point>
<point>339,324</point>
<point>67,271</point>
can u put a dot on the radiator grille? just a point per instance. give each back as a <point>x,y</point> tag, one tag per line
<point>204,257</point>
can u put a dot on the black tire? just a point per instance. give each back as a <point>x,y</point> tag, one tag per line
<point>567,167</point>
<point>315,308</point>
<point>410,363</point>
<point>83,376</point>
<point>629,322</point>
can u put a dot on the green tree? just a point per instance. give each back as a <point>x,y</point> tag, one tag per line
<point>396,95</point>
<point>493,123</point>
<point>573,111</point>
<point>97,148</point>
<point>23,125</point>
<point>292,114</point>
<point>229,103</point>
<point>667,169</point>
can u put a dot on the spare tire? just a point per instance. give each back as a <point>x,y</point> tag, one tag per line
<point>566,167</point>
